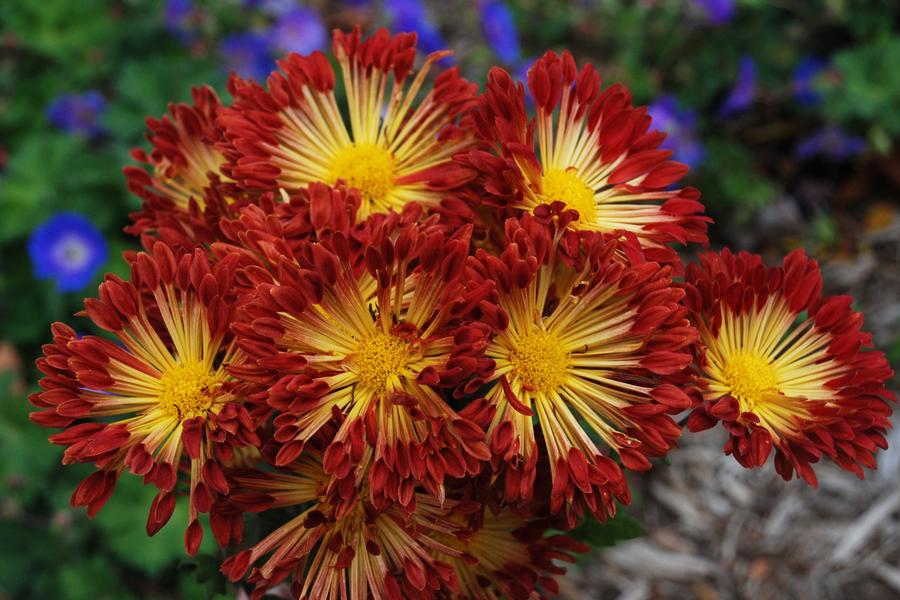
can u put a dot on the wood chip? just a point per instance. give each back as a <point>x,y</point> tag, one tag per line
<point>858,532</point>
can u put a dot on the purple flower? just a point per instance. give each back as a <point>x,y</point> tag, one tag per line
<point>830,142</point>
<point>680,125</point>
<point>717,12</point>
<point>79,114</point>
<point>499,29</point>
<point>741,96</point>
<point>806,73</point>
<point>247,54</point>
<point>179,18</point>
<point>68,249</point>
<point>409,15</point>
<point>299,30</point>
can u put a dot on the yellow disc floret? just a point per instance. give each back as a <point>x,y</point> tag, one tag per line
<point>379,358</point>
<point>540,361</point>
<point>188,390</point>
<point>567,186</point>
<point>750,378</point>
<point>367,167</point>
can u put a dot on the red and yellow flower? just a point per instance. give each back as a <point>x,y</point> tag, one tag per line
<point>183,192</point>
<point>594,154</point>
<point>592,348</point>
<point>359,551</point>
<point>370,348</point>
<point>505,555</point>
<point>270,229</point>
<point>395,149</point>
<point>161,400</point>
<point>784,367</point>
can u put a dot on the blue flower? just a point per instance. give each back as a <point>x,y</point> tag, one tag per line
<point>499,29</point>
<point>78,113</point>
<point>299,30</point>
<point>830,142</point>
<point>742,94</point>
<point>68,249</point>
<point>275,8</point>
<point>408,10</point>
<point>179,18</point>
<point>806,73</point>
<point>680,125</point>
<point>717,12</point>
<point>409,15</point>
<point>247,54</point>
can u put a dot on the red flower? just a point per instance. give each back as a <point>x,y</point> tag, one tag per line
<point>161,400</point>
<point>505,555</point>
<point>592,346</point>
<point>595,154</point>
<point>183,193</point>
<point>394,150</point>
<point>369,349</point>
<point>784,367</point>
<point>274,228</point>
<point>359,551</point>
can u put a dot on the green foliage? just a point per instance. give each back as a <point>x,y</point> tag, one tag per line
<point>603,534</point>
<point>125,535</point>
<point>868,91</point>
<point>743,190</point>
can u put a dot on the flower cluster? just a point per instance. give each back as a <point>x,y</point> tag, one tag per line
<point>425,329</point>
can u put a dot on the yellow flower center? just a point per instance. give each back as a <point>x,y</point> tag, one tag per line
<point>366,167</point>
<point>567,186</point>
<point>379,358</point>
<point>187,390</point>
<point>750,377</point>
<point>540,361</point>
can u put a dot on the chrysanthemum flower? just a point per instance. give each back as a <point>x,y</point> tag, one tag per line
<point>505,555</point>
<point>594,153</point>
<point>784,367</point>
<point>183,185</point>
<point>394,149</point>
<point>593,348</point>
<point>369,348</point>
<point>360,552</point>
<point>277,226</point>
<point>158,401</point>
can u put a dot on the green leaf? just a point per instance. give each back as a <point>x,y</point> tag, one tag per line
<point>28,459</point>
<point>49,172</point>
<point>869,87</point>
<point>123,523</point>
<point>608,533</point>
<point>90,579</point>
<point>59,28</point>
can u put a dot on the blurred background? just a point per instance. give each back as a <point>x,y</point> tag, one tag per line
<point>788,112</point>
